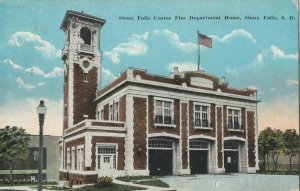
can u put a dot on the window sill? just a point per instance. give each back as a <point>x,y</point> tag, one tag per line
<point>236,130</point>
<point>164,125</point>
<point>203,128</point>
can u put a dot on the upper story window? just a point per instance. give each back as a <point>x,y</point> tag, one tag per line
<point>111,112</point>
<point>86,35</point>
<point>114,111</point>
<point>234,119</point>
<point>102,114</point>
<point>201,116</point>
<point>163,112</point>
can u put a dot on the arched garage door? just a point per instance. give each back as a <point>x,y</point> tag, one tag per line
<point>198,157</point>
<point>160,157</point>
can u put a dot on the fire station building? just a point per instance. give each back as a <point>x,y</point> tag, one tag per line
<point>144,124</point>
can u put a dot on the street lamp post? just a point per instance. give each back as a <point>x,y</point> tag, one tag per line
<point>41,110</point>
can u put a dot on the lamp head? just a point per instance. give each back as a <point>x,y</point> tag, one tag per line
<point>41,109</point>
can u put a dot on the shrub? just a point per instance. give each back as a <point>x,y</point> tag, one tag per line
<point>104,181</point>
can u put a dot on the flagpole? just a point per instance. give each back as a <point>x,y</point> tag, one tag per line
<point>198,50</point>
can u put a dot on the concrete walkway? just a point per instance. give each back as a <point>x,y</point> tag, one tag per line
<point>152,188</point>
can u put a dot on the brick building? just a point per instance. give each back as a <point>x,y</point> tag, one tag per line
<point>141,123</point>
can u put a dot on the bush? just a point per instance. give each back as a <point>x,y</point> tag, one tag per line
<point>104,181</point>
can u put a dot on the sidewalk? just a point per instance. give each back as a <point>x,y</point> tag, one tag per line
<point>151,188</point>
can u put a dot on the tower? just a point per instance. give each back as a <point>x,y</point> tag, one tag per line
<point>81,57</point>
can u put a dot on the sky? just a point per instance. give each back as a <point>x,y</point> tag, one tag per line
<point>260,53</point>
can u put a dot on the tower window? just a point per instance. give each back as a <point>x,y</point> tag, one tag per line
<point>85,35</point>
<point>85,77</point>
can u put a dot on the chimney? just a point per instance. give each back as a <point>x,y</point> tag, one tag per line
<point>175,70</point>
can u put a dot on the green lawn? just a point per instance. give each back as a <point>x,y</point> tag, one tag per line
<point>114,187</point>
<point>154,182</point>
<point>144,180</point>
<point>135,178</point>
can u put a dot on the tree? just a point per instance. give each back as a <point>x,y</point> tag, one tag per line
<point>13,145</point>
<point>290,144</point>
<point>270,143</point>
<point>276,145</point>
<point>264,145</point>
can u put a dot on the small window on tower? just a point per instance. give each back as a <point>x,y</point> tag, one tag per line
<point>85,77</point>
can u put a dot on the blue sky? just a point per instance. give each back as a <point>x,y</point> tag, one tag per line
<point>261,54</point>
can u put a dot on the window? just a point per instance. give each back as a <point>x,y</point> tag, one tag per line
<point>35,155</point>
<point>164,144</point>
<point>234,119</point>
<point>116,111</point>
<point>79,159</point>
<point>98,115</point>
<point>85,35</point>
<point>110,112</point>
<point>85,77</point>
<point>195,144</point>
<point>163,110</point>
<point>73,159</point>
<point>201,116</point>
<point>68,159</point>
<point>102,114</point>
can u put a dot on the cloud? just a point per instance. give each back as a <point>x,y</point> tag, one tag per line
<point>184,66</point>
<point>29,119</point>
<point>275,53</point>
<point>280,113</point>
<point>134,47</point>
<point>14,65</point>
<point>232,71</point>
<point>253,87</point>
<point>296,3</point>
<point>25,86</point>
<point>57,71</point>
<point>175,40</point>
<point>278,53</point>
<point>234,34</point>
<point>291,82</point>
<point>46,48</point>
<point>272,89</point>
<point>107,74</point>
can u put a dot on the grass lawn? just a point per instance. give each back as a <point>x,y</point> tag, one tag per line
<point>154,182</point>
<point>135,178</point>
<point>114,187</point>
<point>144,180</point>
<point>51,187</point>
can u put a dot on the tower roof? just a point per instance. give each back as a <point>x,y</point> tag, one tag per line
<point>82,15</point>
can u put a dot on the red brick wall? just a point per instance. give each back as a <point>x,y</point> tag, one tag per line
<point>219,132</point>
<point>70,144</point>
<point>251,138</point>
<point>184,134</point>
<point>121,150</point>
<point>140,133</point>
<point>193,131</point>
<point>161,129</point>
<point>84,94</point>
<point>122,108</point>
<point>178,81</point>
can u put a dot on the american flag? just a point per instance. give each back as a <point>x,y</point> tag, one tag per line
<point>205,40</point>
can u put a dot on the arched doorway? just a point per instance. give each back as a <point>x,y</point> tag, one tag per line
<point>231,156</point>
<point>199,156</point>
<point>160,156</point>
